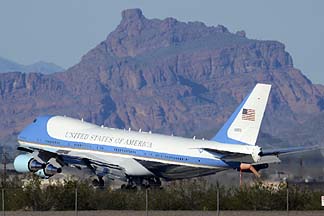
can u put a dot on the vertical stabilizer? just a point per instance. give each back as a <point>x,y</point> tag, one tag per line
<point>244,124</point>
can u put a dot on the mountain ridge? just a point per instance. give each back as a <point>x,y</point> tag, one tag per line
<point>166,76</point>
<point>37,67</point>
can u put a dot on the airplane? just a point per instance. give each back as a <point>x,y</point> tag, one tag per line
<point>143,159</point>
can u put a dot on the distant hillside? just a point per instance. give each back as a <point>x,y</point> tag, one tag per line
<point>38,67</point>
<point>311,132</point>
<point>166,76</point>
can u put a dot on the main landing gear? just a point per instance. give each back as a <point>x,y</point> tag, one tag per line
<point>98,182</point>
<point>141,183</point>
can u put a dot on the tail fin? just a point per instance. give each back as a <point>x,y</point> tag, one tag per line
<point>244,124</point>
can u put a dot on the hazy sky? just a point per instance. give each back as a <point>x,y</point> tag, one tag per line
<point>61,31</point>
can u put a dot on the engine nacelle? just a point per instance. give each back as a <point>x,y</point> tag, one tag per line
<point>41,174</point>
<point>48,171</point>
<point>26,163</point>
<point>51,170</point>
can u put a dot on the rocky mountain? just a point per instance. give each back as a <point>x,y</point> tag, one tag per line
<point>309,132</point>
<point>38,67</point>
<point>166,76</point>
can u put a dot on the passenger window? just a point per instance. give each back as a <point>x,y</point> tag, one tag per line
<point>35,120</point>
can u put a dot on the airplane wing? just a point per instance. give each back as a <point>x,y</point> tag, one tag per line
<point>98,167</point>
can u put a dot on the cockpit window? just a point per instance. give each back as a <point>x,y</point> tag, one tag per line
<point>35,120</point>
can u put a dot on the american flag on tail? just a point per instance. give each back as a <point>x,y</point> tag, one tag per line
<point>248,114</point>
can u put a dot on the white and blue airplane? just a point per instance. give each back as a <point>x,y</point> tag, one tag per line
<point>143,158</point>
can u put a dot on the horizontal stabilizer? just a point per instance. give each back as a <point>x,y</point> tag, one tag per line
<point>268,160</point>
<point>222,154</point>
<point>290,150</point>
<point>236,156</point>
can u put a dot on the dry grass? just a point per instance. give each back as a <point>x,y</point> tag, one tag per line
<point>165,213</point>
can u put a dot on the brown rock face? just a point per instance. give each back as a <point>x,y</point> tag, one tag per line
<point>165,76</point>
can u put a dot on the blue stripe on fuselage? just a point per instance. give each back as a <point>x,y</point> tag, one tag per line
<point>37,133</point>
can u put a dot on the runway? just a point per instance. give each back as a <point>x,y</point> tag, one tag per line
<point>163,213</point>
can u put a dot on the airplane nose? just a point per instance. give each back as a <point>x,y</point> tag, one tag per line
<point>35,130</point>
<point>24,133</point>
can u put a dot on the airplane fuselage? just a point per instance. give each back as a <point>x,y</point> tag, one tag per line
<point>140,153</point>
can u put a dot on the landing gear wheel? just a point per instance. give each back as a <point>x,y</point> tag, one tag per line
<point>95,183</point>
<point>101,182</point>
<point>98,182</point>
<point>142,183</point>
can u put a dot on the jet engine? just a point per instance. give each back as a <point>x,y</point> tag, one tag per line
<point>26,163</point>
<point>51,170</point>
<point>48,171</point>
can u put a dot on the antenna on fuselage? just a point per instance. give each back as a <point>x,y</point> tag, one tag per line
<point>140,130</point>
<point>194,137</point>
